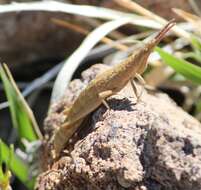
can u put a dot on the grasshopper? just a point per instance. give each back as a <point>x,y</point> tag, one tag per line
<point>103,86</point>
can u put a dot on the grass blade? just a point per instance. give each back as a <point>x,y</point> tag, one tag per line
<point>84,10</point>
<point>5,173</point>
<point>21,114</point>
<point>133,6</point>
<point>189,17</point>
<point>188,70</point>
<point>19,169</point>
<point>196,44</point>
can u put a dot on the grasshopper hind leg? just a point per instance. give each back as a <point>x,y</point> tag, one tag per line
<point>106,104</point>
<point>103,95</point>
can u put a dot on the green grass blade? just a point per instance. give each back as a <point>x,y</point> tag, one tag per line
<point>185,68</point>
<point>1,161</point>
<point>9,94</point>
<point>17,166</point>
<point>196,44</point>
<point>6,174</point>
<point>193,55</point>
<point>22,116</point>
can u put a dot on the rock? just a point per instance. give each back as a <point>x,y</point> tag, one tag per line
<point>149,145</point>
<point>30,36</point>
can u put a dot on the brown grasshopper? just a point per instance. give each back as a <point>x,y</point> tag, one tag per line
<point>103,86</point>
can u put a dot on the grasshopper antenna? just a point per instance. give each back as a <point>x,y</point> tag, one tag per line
<point>168,26</point>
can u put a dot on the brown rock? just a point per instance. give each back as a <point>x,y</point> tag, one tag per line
<point>149,145</point>
<point>31,36</point>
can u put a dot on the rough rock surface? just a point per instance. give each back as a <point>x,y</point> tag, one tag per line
<point>149,145</point>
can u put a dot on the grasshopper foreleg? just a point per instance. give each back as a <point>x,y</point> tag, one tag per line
<point>140,79</point>
<point>142,82</point>
<point>134,88</point>
<point>103,95</point>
